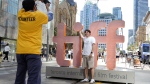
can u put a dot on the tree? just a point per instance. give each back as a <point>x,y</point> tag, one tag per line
<point>131,47</point>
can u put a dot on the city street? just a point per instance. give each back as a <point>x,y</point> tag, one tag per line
<point>110,29</point>
<point>7,75</point>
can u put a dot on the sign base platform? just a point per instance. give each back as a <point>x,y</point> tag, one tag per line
<point>120,75</point>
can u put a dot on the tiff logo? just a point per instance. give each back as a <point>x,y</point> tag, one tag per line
<point>110,39</point>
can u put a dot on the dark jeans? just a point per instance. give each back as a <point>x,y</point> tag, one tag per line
<point>30,63</point>
<point>6,55</point>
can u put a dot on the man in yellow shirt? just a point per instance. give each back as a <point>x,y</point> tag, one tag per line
<point>29,42</point>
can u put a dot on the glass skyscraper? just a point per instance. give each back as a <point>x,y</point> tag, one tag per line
<point>89,14</point>
<point>117,13</point>
<point>130,34</point>
<point>13,7</point>
<point>140,9</point>
<point>8,24</point>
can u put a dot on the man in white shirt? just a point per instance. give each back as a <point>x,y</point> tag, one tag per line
<point>88,55</point>
<point>105,54</point>
<point>6,52</point>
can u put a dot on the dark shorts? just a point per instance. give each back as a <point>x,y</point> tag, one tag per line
<point>117,56</point>
<point>31,64</point>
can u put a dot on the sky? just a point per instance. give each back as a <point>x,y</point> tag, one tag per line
<point>106,6</point>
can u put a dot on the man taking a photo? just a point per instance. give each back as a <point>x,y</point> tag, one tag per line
<point>29,42</point>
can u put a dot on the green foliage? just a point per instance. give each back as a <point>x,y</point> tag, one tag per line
<point>118,49</point>
<point>131,47</point>
<point>121,52</point>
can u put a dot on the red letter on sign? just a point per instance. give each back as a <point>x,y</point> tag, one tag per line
<point>112,39</point>
<point>95,27</point>
<point>61,39</point>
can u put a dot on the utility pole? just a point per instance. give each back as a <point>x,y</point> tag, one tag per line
<point>47,42</point>
<point>48,33</point>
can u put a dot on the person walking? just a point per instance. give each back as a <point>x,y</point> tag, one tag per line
<point>105,56</point>
<point>88,55</point>
<point>117,55</point>
<point>0,58</point>
<point>29,42</point>
<point>6,52</point>
<point>69,53</point>
<point>66,53</point>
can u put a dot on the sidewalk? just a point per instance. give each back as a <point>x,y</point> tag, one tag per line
<point>141,76</point>
<point>8,74</point>
<point>12,63</point>
<point>8,64</point>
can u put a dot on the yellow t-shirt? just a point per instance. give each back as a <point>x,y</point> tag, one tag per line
<point>30,31</point>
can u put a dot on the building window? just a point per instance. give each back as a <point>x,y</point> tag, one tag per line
<point>12,7</point>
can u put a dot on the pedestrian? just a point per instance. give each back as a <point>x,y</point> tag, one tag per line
<point>88,55</point>
<point>117,55</point>
<point>139,54</point>
<point>0,57</point>
<point>29,42</point>
<point>54,51</point>
<point>44,52</point>
<point>99,54</point>
<point>50,54</point>
<point>6,52</point>
<point>105,56</point>
<point>69,53</point>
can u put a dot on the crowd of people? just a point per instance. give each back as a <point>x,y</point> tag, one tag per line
<point>51,53</point>
<point>103,55</point>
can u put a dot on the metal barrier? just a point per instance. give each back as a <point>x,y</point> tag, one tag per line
<point>146,61</point>
<point>134,60</point>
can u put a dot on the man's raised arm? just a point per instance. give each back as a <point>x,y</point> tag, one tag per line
<point>81,34</point>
